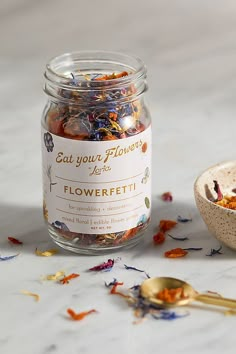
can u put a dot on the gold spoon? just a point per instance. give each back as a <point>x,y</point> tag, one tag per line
<point>151,287</point>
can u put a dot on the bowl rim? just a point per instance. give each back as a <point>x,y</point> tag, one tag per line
<point>213,167</point>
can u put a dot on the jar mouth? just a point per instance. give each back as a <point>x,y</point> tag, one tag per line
<point>84,65</point>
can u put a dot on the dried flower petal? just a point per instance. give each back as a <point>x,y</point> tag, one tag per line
<point>133,268</point>
<point>169,315</point>
<point>167,197</point>
<point>112,76</point>
<point>176,253</point>
<point>218,191</point>
<point>159,238</point>
<point>137,270</point>
<point>214,252</point>
<point>171,295</point>
<point>231,206</point>
<point>113,282</point>
<point>28,293</point>
<point>7,258</point>
<point>228,202</point>
<point>115,292</point>
<point>14,240</point>
<point>166,225</point>
<point>183,220</point>
<point>179,238</point>
<point>135,287</point>
<point>47,253</point>
<point>67,279</point>
<point>55,276</point>
<point>104,266</point>
<point>79,316</point>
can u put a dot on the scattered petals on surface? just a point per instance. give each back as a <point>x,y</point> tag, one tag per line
<point>159,238</point>
<point>167,197</point>
<point>67,279</point>
<point>183,220</point>
<point>171,295</point>
<point>55,276</point>
<point>141,307</point>
<point>113,282</point>
<point>166,225</point>
<point>213,252</point>
<point>185,238</point>
<point>169,315</point>
<point>104,266</point>
<point>135,287</point>
<point>14,240</point>
<point>47,253</point>
<point>175,253</point>
<point>79,316</point>
<point>7,258</point>
<point>218,191</point>
<point>115,292</point>
<point>28,293</point>
<point>134,268</point>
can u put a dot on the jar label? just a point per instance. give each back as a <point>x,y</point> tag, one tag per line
<point>96,187</point>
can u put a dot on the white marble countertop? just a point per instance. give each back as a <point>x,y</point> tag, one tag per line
<point>190,51</point>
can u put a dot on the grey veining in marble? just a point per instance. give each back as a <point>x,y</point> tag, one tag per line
<point>190,50</point>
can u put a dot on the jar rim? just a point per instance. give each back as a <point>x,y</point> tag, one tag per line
<point>59,67</point>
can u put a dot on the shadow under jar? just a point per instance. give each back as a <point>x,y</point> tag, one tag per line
<point>96,149</point>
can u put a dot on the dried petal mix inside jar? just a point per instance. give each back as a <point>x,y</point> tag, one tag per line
<point>96,148</point>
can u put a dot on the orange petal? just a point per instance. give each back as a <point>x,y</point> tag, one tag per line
<point>166,225</point>
<point>66,279</point>
<point>176,253</point>
<point>79,316</point>
<point>159,238</point>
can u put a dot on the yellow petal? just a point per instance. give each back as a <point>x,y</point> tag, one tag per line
<point>26,292</point>
<point>55,276</point>
<point>46,253</point>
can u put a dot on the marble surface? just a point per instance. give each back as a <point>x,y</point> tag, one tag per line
<point>190,51</point>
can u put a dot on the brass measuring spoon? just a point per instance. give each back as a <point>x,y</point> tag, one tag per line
<point>151,287</point>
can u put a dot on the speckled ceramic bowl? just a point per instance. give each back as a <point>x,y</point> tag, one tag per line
<point>220,221</point>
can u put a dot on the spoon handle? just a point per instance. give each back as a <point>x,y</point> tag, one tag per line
<point>218,301</point>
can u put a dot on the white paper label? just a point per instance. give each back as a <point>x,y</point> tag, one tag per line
<point>97,187</point>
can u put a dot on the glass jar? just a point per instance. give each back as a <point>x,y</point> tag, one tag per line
<point>96,149</point>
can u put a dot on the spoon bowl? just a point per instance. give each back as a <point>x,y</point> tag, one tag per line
<point>151,287</point>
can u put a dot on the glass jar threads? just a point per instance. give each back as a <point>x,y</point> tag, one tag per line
<point>96,149</point>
